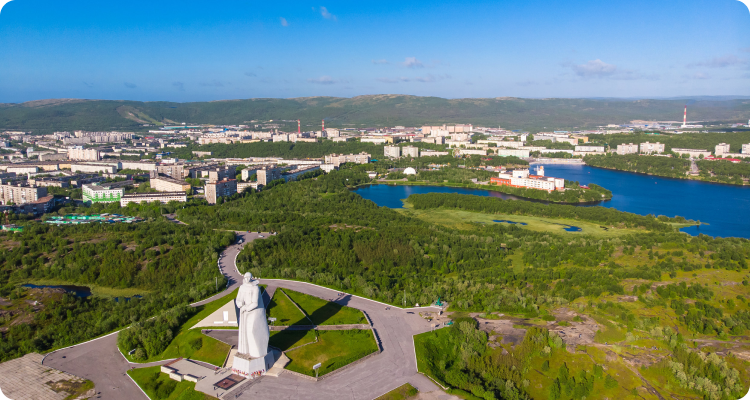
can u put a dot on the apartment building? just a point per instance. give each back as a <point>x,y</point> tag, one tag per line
<point>410,151</point>
<point>224,188</point>
<point>629,148</point>
<point>167,184</point>
<point>651,148</point>
<point>138,165</point>
<point>524,179</point>
<point>588,149</point>
<point>292,175</point>
<point>94,168</point>
<point>746,149</point>
<point>692,153</point>
<point>267,174</point>
<point>21,194</point>
<point>163,197</point>
<point>721,148</point>
<point>81,154</point>
<point>338,159</point>
<point>392,151</point>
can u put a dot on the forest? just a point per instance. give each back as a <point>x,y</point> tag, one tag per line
<point>172,265</point>
<point>661,166</point>
<point>683,141</point>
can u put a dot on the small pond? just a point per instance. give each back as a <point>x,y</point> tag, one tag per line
<point>509,222</point>
<point>78,291</point>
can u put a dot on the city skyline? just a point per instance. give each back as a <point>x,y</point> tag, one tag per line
<point>189,51</point>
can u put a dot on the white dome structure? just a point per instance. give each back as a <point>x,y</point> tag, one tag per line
<point>410,171</point>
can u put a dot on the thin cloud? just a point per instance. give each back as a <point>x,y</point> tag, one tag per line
<point>699,76</point>
<point>412,62</point>
<point>720,62</point>
<point>88,85</point>
<point>250,74</point>
<point>283,21</point>
<point>213,83</point>
<point>324,80</point>
<point>745,50</point>
<point>421,79</point>
<point>379,62</point>
<point>326,14</point>
<point>598,69</point>
<point>179,86</point>
<point>130,85</point>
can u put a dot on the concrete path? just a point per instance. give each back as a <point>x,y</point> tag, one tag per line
<point>101,362</point>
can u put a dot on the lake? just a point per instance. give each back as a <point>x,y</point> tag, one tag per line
<point>724,207</point>
<point>77,291</point>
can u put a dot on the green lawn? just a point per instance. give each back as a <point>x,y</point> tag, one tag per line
<point>96,290</point>
<point>403,392</point>
<point>285,311</point>
<point>334,350</point>
<point>465,220</point>
<point>285,340</point>
<point>158,386</point>
<point>212,351</point>
<point>324,312</point>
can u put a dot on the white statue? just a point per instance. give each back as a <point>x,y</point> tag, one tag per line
<point>254,334</point>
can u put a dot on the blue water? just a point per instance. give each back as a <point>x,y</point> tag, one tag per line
<point>509,222</point>
<point>77,291</point>
<point>724,207</point>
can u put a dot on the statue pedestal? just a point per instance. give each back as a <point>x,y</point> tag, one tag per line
<point>249,367</point>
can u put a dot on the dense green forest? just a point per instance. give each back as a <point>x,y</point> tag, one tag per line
<point>673,167</point>
<point>662,166</point>
<point>172,265</point>
<point>46,116</point>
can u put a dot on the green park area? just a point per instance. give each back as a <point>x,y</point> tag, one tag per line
<point>159,386</point>
<point>188,342</point>
<point>333,350</point>
<point>403,392</point>
<point>316,310</point>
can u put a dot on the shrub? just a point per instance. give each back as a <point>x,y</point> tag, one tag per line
<point>196,344</point>
<point>610,382</point>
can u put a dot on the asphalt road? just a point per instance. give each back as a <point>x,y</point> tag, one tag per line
<point>101,362</point>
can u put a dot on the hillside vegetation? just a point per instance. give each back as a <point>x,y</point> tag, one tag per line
<point>514,113</point>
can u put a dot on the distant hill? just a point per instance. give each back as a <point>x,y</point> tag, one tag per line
<point>45,116</point>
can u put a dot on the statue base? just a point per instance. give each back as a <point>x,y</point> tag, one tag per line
<point>249,367</point>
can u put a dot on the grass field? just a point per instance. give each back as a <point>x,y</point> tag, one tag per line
<point>465,220</point>
<point>285,311</point>
<point>159,386</point>
<point>324,312</point>
<point>403,392</point>
<point>334,350</point>
<point>285,340</point>
<point>96,290</point>
<point>213,351</point>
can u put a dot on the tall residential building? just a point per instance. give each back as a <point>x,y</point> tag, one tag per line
<point>392,151</point>
<point>266,175</point>
<point>19,194</point>
<point>721,148</point>
<point>101,193</point>
<point>167,184</point>
<point>410,151</point>
<point>629,148</point>
<point>746,148</point>
<point>650,148</point>
<point>224,188</point>
<point>222,173</point>
<point>81,154</point>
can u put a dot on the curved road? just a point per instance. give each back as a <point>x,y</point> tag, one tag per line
<point>101,362</point>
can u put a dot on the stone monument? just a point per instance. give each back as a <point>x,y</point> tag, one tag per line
<point>253,358</point>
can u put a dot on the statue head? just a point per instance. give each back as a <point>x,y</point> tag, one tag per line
<point>248,277</point>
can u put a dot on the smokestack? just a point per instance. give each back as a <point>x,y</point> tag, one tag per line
<point>684,119</point>
<point>324,126</point>
<point>299,128</point>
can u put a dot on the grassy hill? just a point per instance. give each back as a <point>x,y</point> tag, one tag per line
<point>514,113</point>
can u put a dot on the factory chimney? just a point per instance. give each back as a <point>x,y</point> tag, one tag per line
<point>684,119</point>
<point>324,126</point>
<point>299,128</point>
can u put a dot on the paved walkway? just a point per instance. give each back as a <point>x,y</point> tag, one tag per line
<point>26,378</point>
<point>101,361</point>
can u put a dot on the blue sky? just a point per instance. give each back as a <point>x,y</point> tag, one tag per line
<point>194,51</point>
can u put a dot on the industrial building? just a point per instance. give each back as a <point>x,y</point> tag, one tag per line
<point>223,188</point>
<point>522,178</point>
<point>163,197</point>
